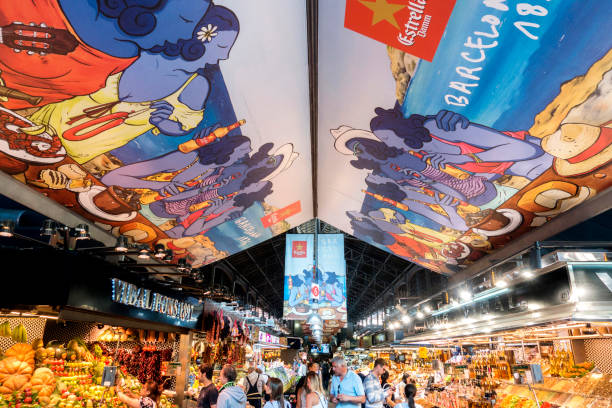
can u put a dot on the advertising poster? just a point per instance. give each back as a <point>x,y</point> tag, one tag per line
<point>442,162</point>
<point>331,277</point>
<point>299,276</point>
<point>141,117</point>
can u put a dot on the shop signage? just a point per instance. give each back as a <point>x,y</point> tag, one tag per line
<point>268,338</point>
<point>414,26</point>
<point>132,295</point>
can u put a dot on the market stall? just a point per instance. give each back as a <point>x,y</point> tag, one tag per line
<point>64,365</point>
<point>58,352</point>
<point>542,340</point>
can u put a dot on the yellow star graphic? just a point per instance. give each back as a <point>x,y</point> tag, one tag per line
<point>383,11</point>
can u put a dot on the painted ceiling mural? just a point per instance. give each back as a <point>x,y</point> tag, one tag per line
<point>186,122</point>
<point>443,162</point>
<point>179,122</point>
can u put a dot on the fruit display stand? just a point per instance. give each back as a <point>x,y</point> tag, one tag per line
<point>32,376</point>
<point>67,373</point>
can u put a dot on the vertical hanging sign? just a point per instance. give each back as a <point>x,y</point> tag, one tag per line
<point>299,263</point>
<point>331,276</point>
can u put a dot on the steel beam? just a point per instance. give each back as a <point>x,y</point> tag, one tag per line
<point>264,275</point>
<point>17,191</point>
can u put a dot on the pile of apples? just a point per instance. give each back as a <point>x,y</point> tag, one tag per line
<point>25,399</point>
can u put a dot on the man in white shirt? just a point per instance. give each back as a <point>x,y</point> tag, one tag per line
<point>253,385</point>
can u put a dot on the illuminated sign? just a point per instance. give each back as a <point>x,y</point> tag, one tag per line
<point>268,338</point>
<point>131,295</point>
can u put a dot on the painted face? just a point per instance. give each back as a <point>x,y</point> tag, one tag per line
<point>219,48</point>
<point>356,147</point>
<point>175,21</point>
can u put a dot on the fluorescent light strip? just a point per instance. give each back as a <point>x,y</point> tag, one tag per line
<point>474,299</point>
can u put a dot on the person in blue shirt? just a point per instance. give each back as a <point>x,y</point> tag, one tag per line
<point>376,393</point>
<point>346,389</point>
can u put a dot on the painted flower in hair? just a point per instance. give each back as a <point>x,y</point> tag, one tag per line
<point>207,33</point>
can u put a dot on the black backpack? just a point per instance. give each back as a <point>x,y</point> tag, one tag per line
<point>253,392</point>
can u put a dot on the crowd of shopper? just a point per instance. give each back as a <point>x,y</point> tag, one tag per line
<point>319,384</point>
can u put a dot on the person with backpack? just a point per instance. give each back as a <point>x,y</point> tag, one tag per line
<point>253,385</point>
<point>325,374</point>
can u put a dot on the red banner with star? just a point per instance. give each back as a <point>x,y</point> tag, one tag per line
<point>413,26</point>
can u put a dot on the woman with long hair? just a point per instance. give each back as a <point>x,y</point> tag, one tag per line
<point>275,388</point>
<point>409,394</point>
<point>149,396</point>
<point>314,395</point>
<point>400,395</point>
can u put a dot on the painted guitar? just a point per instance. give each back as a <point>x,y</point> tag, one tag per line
<point>37,39</point>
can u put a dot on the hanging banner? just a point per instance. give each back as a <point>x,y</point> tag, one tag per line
<point>299,261</point>
<point>331,277</point>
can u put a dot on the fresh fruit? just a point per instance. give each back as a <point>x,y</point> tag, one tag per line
<point>19,334</point>
<point>60,353</point>
<point>5,329</point>
<point>14,375</point>
<point>38,344</point>
<point>43,382</point>
<point>23,352</point>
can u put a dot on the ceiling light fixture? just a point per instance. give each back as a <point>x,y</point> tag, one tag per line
<point>527,274</point>
<point>122,244</point>
<point>465,294</point>
<point>81,231</point>
<point>143,253</point>
<point>6,228</point>
<point>502,283</point>
<point>160,251</point>
<point>405,319</point>
<point>419,314</point>
<point>48,228</point>
<point>182,265</point>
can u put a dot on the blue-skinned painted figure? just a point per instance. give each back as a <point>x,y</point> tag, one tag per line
<point>449,138</point>
<point>81,43</point>
<point>165,90</point>
<point>301,288</point>
<point>419,202</point>
<point>332,288</point>
<point>390,231</point>
<point>193,170</point>
<point>237,187</point>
